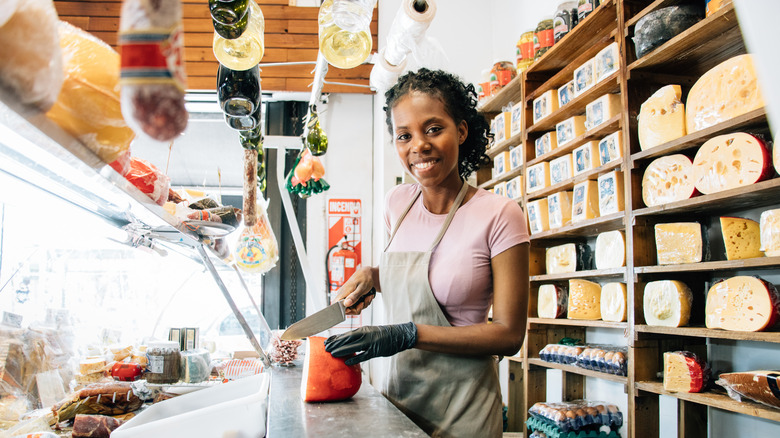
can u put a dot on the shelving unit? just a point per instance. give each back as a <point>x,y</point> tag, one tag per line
<point>681,60</point>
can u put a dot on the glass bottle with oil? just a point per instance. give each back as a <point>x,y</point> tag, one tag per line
<point>344,31</point>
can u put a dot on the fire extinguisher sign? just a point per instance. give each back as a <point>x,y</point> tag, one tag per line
<point>345,248</point>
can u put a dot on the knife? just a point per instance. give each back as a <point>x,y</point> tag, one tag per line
<point>322,320</point>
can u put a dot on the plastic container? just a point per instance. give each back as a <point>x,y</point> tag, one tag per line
<point>544,37</point>
<point>525,50</point>
<point>231,409</point>
<point>565,19</point>
<point>164,362</point>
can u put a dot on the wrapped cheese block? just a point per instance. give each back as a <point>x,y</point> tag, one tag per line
<point>515,157</point>
<point>742,303</point>
<point>516,124</point>
<point>538,176</point>
<point>606,61</point>
<point>538,219</point>
<point>585,157</point>
<point>514,187</point>
<point>611,148</point>
<point>685,372</point>
<point>501,163</point>
<point>552,301</point>
<point>569,257</point>
<point>545,105</point>
<point>760,386</point>
<point>30,50</point>
<point>668,179</point>
<point>566,93</point>
<point>547,142</point>
<point>742,238</point>
<point>667,303</point>
<point>92,365</point>
<point>584,300</point>
<point>611,199</point>
<point>148,179</point>
<point>585,201</point>
<point>195,365</point>
<point>728,90</point>
<point>501,128</point>
<point>327,378</point>
<point>661,117</point>
<point>679,242</point>
<point>601,110</point>
<point>776,158</point>
<point>769,223</point>
<point>570,129</point>
<point>559,207</point>
<point>561,169</point>
<point>584,77</point>
<point>730,161</point>
<point>663,24</point>
<point>613,302</point>
<point>88,105</point>
<point>611,250</point>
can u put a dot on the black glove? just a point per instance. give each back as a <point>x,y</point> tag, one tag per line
<point>373,341</point>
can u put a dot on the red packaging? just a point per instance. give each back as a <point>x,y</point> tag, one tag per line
<point>126,371</point>
<point>149,180</point>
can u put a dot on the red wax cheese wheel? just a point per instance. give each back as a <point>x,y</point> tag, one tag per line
<point>684,372</point>
<point>327,378</point>
<point>742,303</point>
<point>668,179</point>
<point>730,161</point>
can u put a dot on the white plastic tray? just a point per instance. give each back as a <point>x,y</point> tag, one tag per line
<point>236,409</point>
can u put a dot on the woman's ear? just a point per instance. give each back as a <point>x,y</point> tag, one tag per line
<point>463,132</point>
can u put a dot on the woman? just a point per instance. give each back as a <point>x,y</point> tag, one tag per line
<point>453,250</point>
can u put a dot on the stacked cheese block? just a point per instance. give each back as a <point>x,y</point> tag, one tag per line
<point>685,372</point>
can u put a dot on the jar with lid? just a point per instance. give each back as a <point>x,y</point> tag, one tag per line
<point>525,50</point>
<point>564,22</point>
<point>543,37</point>
<point>483,88</point>
<point>585,7</point>
<point>501,74</point>
<point>164,362</point>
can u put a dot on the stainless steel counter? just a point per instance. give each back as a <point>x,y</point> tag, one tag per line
<point>368,413</point>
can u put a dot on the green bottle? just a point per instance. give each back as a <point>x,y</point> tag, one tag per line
<point>316,140</point>
<point>230,17</point>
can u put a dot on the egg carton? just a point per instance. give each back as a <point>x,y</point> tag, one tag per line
<point>551,431</point>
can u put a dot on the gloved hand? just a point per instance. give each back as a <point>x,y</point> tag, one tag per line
<point>373,341</point>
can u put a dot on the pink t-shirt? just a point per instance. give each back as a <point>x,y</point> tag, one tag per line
<point>460,274</point>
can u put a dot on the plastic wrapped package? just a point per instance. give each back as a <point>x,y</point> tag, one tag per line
<point>769,224</point>
<point>584,300</point>
<point>730,161</point>
<point>195,365</point>
<point>94,426</point>
<point>88,104</point>
<point>760,386</point>
<point>235,369</point>
<point>560,353</point>
<point>114,398</point>
<point>604,358</point>
<point>30,50</point>
<point>680,242</point>
<point>149,180</point>
<point>685,372</point>
<point>614,297</point>
<point>610,250</point>
<point>122,162</point>
<point>742,303</point>
<point>256,250</point>
<point>407,31</point>
<point>552,301</point>
<point>667,303</point>
<point>152,75</point>
<point>668,179</point>
<point>661,25</point>
<point>569,257</point>
<point>577,414</point>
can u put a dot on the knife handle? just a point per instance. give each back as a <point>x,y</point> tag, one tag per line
<point>370,293</point>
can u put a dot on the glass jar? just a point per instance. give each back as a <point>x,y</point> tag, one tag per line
<point>344,31</point>
<point>230,17</point>
<point>164,362</point>
<point>563,22</point>
<point>247,50</point>
<point>501,74</point>
<point>525,50</point>
<point>585,7</point>
<point>544,37</point>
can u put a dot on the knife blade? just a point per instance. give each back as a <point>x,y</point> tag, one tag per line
<point>320,321</point>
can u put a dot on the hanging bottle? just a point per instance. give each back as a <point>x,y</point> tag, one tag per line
<point>344,31</point>
<point>247,122</point>
<point>238,91</point>
<point>230,17</point>
<point>245,51</point>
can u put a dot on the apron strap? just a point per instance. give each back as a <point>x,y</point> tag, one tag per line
<point>400,219</point>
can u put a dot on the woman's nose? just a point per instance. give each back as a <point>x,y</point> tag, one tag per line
<point>420,144</point>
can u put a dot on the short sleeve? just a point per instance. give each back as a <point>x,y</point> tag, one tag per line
<point>509,228</point>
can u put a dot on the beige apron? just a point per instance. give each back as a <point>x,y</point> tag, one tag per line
<point>447,395</point>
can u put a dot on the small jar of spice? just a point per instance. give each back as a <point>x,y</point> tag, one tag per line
<point>164,362</point>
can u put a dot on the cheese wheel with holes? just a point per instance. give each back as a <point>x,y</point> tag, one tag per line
<point>728,90</point>
<point>613,302</point>
<point>584,300</point>
<point>667,303</point>
<point>679,242</point>
<point>567,258</point>
<point>327,378</point>
<point>611,250</point>
<point>742,303</point>
<point>742,238</point>
<point>661,117</point>
<point>552,301</point>
<point>684,372</point>
<point>770,232</point>
<point>668,179</point>
<point>730,161</point>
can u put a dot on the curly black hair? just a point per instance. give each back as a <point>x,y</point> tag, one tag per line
<point>460,102</point>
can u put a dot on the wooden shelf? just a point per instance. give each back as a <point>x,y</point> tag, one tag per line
<point>697,49</point>
<point>577,370</point>
<point>505,145</point>
<point>571,182</point>
<point>619,273</point>
<point>752,120</point>
<point>506,176</point>
<point>716,399</point>
<point>590,227</point>
<point>577,105</point>
<point>578,323</point>
<point>703,332</point>
<point>596,133</point>
<point>512,92</point>
<point>723,265</point>
<point>757,195</point>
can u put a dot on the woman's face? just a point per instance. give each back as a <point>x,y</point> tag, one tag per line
<point>427,139</point>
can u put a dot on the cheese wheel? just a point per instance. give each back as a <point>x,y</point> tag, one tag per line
<point>611,250</point>
<point>661,117</point>
<point>679,242</point>
<point>730,161</point>
<point>668,179</point>
<point>685,372</point>
<point>567,258</point>
<point>728,90</point>
<point>770,232</point>
<point>760,386</point>
<point>742,238</point>
<point>327,378</point>
<point>742,303</point>
<point>613,302</point>
<point>667,303</point>
<point>584,300</point>
<point>552,301</point>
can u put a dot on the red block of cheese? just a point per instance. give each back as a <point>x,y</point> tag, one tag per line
<point>327,378</point>
<point>742,303</point>
<point>685,372</point>
<point>730,161</point>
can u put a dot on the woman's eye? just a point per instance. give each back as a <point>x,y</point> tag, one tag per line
<point>434,129</point>
<point>402,137</point>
